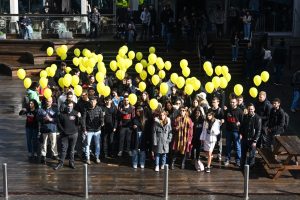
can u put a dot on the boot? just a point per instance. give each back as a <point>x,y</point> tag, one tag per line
<point>58,166</point>
<point>43,160</point>
<point>71,164</point>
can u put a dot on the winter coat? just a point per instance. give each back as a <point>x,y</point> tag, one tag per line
<point>211,135</point>
<point>251,127</point>
<point>162,136</point>
<point>263,110</point>
<point>276,121</point>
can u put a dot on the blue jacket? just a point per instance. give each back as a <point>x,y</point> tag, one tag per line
<point>48,120</point>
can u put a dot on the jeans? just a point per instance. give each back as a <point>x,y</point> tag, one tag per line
<point>138,157</point>
<point>52,137</point>
<point>247,147</point>
<point>279,72</point>
<point>32,140</point>
<point>97,139</point>
<point>295,99</point>
<point>108,139</point>
<point>247,29</point>
<point>27,32</point>
<point>162,156</point>
<point>233,136</point>
<point>66,141</point>
<point>235,52</point>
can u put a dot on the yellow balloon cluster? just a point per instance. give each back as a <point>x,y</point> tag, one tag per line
<point>21,73</point>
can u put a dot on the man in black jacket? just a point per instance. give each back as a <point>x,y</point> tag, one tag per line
<point>250,132</point>
<point>263,107</point>
<point>92,122</point>
<point>276,123</point>
<point>68,121</point>
<point>233,119</point>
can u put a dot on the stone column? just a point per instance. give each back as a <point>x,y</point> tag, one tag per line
<point>84,20</point>
<point>14,9</point>
<point>296,19</point>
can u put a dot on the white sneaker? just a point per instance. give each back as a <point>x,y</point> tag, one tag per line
<point>142,166</point>
<point>134,166</point>
<point>162,167</point>
<point>226,163</point>
<point>157,168</point>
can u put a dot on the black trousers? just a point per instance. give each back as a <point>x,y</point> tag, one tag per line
<point>125,133</point>
<point>108,139</point>
<point>94,30</point>
<point>66,141</point>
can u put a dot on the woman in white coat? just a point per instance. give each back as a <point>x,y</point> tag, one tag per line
<point>211,128</point>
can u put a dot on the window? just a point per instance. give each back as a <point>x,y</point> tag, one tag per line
<point>4,6</point>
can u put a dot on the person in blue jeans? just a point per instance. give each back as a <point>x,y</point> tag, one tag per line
<point>92,121</point>
<point>296,93</point>
<point>139,137</point>
<point>233,120</point>
<point>161,137</point>
<point>235,39</point>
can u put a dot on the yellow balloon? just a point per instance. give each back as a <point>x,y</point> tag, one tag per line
<point>100,87</point>
<point>168,65</point>
<point>253,92</point>
<point>63,57</point>
<point>153,103</point>
<point>164,88</point>
<point>76,61</point>
<point>218,70</point>
<point>113,65</point>
<point>120,74</point>
<point>43,82</point>
<point>58,51</point>
<point>186,71</point>
<point>155,79</point>
<point>196,85</point>
<point>21,73</point>
<point>152,50</point>
<point>188,89</point>
<point>225,69</point>
<point>223,82</point>
<point>132,99</point>
<point>64,49</point>
<point>67,81</point>
<point>143,75</point>
<point>89,70</point>
<point>162,74</point>
<point>209,87</point>
<point>47,93</point>
<point>174,78</point>
<point>183,63</point>
<point>228,77</point>
<point>207,65</point>
<point>106,91</point>
<point>61,82</point>
<point>151,69</point>
<point>100,77</point>
<point>138,67</point>
<point>238,89</point>
<point>139,56</point>
<point>43,73</point>
<point>265,76</point>
<point>75,80</point>
<point>54,66</point>
<point>209,71</point>
<point>49,51</point>
<point>142,86</point>
<point>101,67</point>
<point>27,83</point>
<point>68,69</point>
<point>152,58</point>
<point>180,82</point>
<point>82,68</point>
<point>77,52</point>
<point>216,81</point>
<point>160,63</point>
<point>131,55</point>
<point>257,80</point>
<point>99,58</point>
<point>122,52</point>
<point>144,63</point>
<point>78,90</point>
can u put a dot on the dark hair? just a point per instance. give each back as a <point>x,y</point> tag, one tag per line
<point>36,105</point>
<point>107,98</point>
<point>276,100</point>
<point>215,99</point>
<point>211,113</point>
<point>91,88</point>
<point>240,97</point>
<point>250,104</point>
<point>63,64</point>
<point>69,93</point>
<point>34,85</point>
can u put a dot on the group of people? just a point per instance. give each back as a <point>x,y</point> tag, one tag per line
<point>182,126</point>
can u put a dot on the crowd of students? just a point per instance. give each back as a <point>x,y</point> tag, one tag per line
<point>181,126</point>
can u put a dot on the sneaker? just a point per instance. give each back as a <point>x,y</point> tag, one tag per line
<point>134,166</point>
<point>238,163</point>
<point>157,168</point>
<point>88,162</point>
<point>142,166</point>
<point>162,167</point>
<point>207,169</point>
<point>226,163</point>
<point>98,161</point>
<point>120,153</point>
<point>219,157</point>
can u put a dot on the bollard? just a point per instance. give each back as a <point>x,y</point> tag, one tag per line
<point>86,186</point>
<point>5,189</point>
<point>246,182</point>
<point>166,182</point>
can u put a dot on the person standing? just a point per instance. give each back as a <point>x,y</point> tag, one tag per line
<point>210,131</point>
<point>95,19</point>
<point>279,59</point>
<point>146,21</point>
<point>152,21</point>
<point>219,20</point>
<point>276,123</point>
<point>26,29</point>
<point>183,135</point>
<point>32,127</point>
<point>235,39</point>
<point>162,136</point>
<point>296,92</point>
<point>48,128</point>
<point>92,121</point>
<point>247,18</point>
<point>68,122</point>
<point>233,119</point>
<point>250,133</point>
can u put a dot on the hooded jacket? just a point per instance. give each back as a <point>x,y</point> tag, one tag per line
<point>162,136</point>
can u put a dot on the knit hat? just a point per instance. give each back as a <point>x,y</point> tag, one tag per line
<point>201,95</point>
